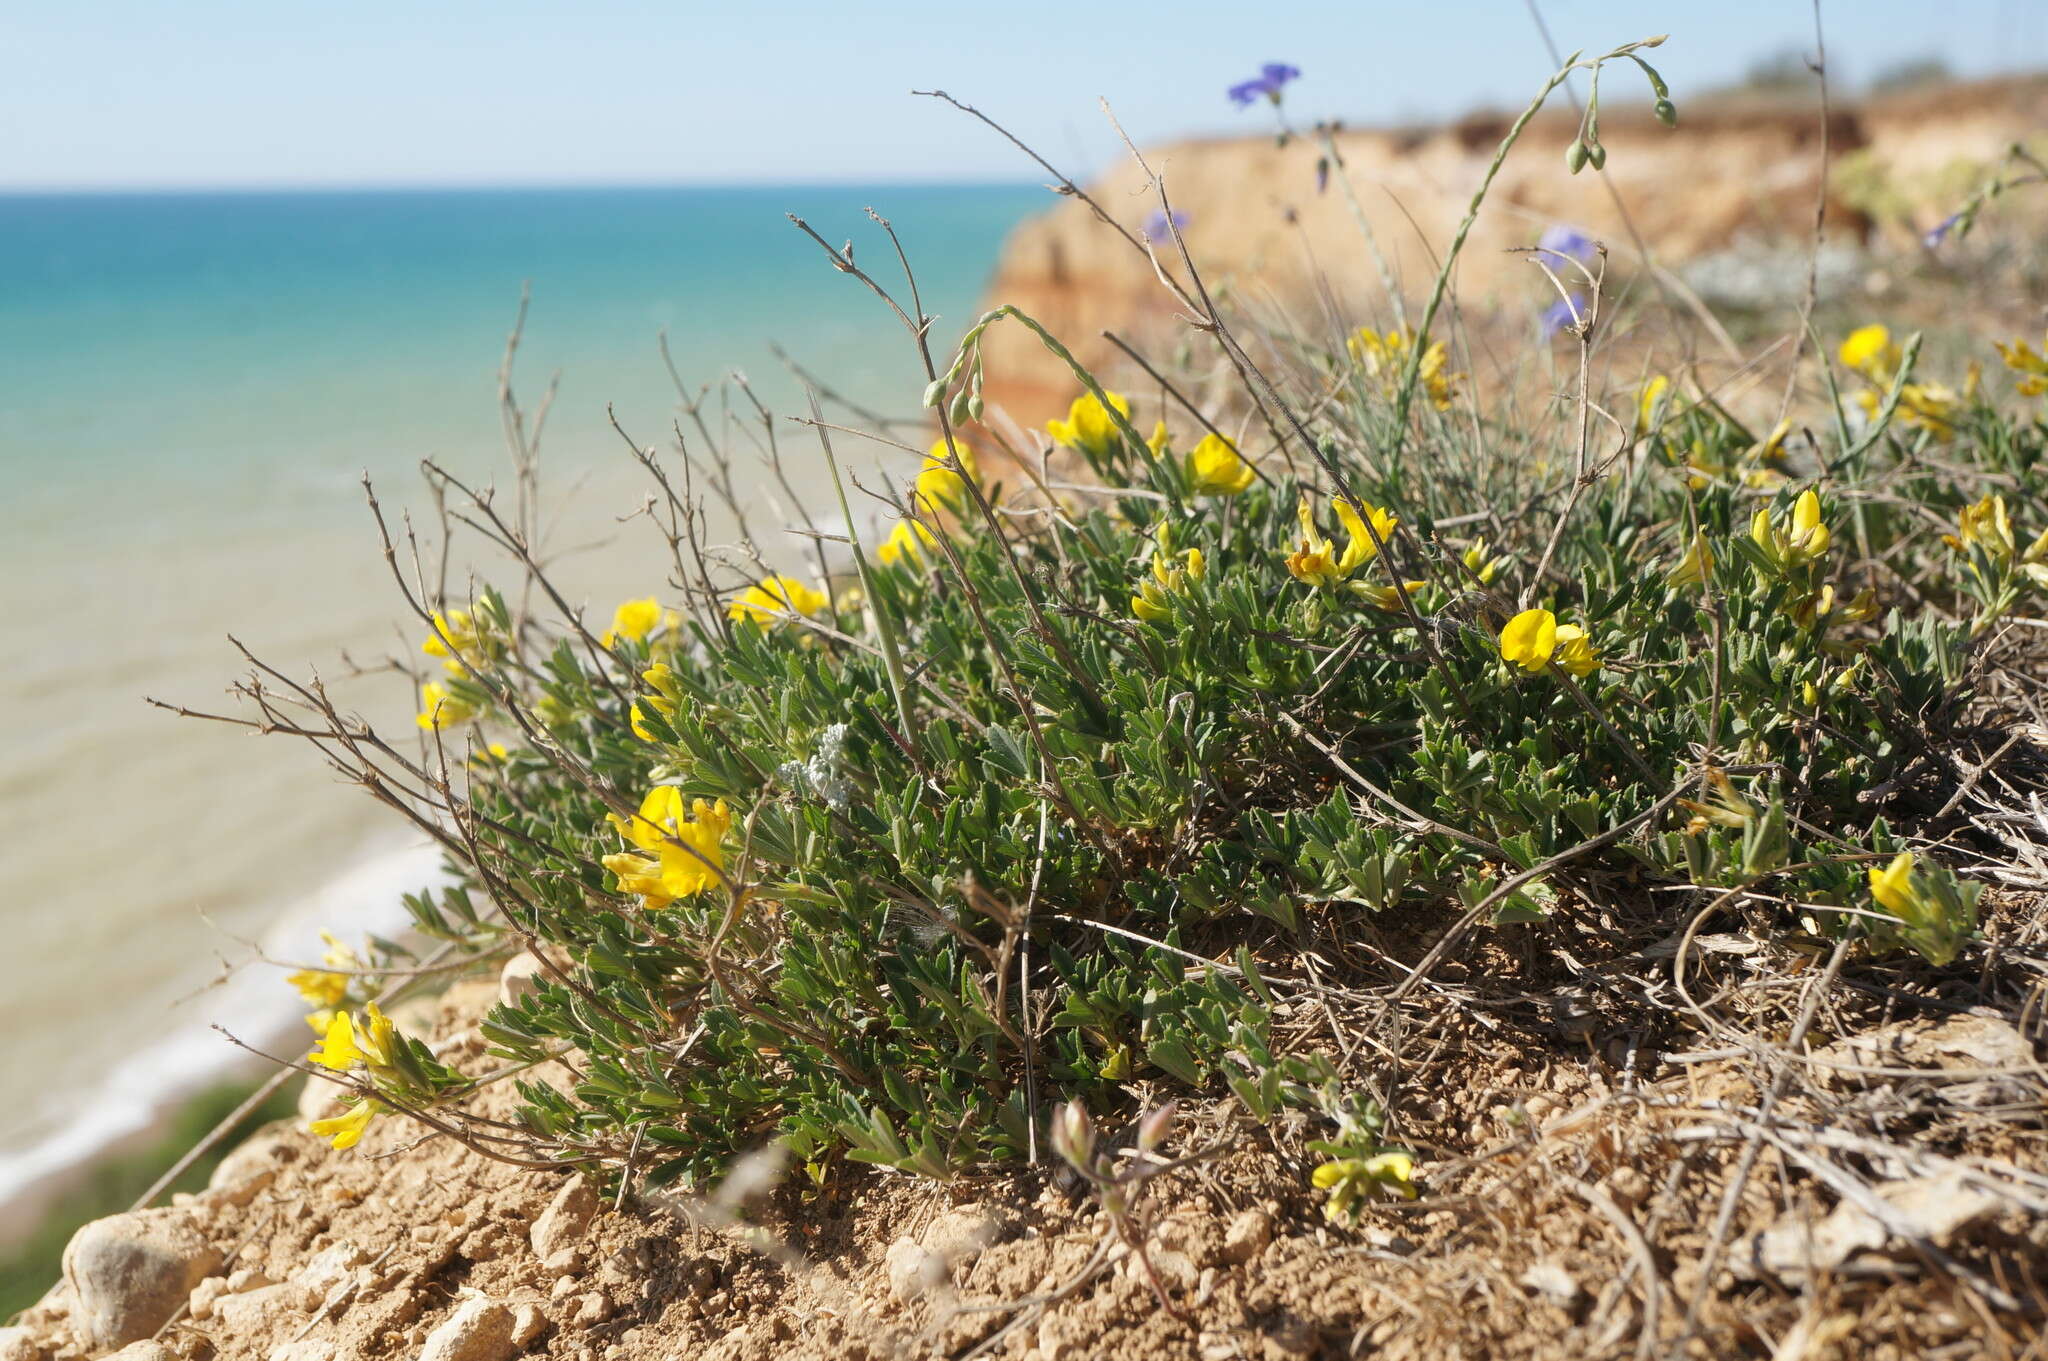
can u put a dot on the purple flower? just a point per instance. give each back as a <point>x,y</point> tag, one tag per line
<point>1563,240</point>
<point>1271,77</point>
<point>1563,313</point>
<point>1941,231</point>
<point>1158,229</point>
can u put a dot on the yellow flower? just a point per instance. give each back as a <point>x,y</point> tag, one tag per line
<point>1382,355</point>
<point>1530,640</point>
<point>1317,562</point>
<point>1158,443</point>
<point>938,484</point>
<point>1934,407</point>
<point>1384,598</point>
<point>1172,574</point>
<point>441,708</point>
<point>494,754</point>
<point>770,600</point>
<point>638,715</point>
<point>319,1020</point>
<point>906,544</point>
<point>635,620</point>
<point>1893,889</point>
<point>1215,468</point>
<point>1985,525</point>
<point>1697,566</point>
<point>1869,350</point>
<point>2032,366</point>
<point>1772,448</point>
<point>1575,651</point>
<point>679,856</point>
<point>319,987</point>
<point>1479,561</point>
<point>456,629</point>
<point>1646,404</point>
<point>346,1130</point>
<point>338,1046</point>
<point>1804,540</point>
<point>1089,427</point>
<point>1348,1179</point>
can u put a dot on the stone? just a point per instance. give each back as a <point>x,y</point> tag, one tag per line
<point>1247,1236</point>
<point>1553,1282</point>
<point>592,1308</point>
<point>912,1269</point>
<point>303,1349</point>
<point>248,1278</point>
<point>253,1312</point>
<point>130,1273</point>
<point>563,1262</point>
<point>959,1235</point>
<point>480,1329</point>
<point>148,1349</point>
<point>528,1323</point>
<point>19,1344</point>
<point>520,978</point>
<point>330,1268</point>
<point>199,1305</point>
<point>565,1219</point>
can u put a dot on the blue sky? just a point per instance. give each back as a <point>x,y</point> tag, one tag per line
<point>109,93</point>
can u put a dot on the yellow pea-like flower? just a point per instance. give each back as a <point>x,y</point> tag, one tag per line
<point>1892,887</point>
<point>345,1130</point>
<point>441,708</point>
<point>906,544</point>
<point>1647,401</point>
<point>1575,651</point>
<point>635,619</point>
<point>319,987</point>
<point>938,484</point>
<point>1215,468</point>
<point>1869,350</point>
<point>1530,640</point>
<point>769,601</point>
<point>1089,427</point>
<point>1317,563</point>
<point>1697,566</point>
<point>679,851</point>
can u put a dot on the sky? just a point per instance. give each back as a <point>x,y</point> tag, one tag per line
<point>273,93</point>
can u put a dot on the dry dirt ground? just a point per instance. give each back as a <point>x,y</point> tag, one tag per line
<point>1615,1165</point>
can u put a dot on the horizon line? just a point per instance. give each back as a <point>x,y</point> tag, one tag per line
<point>112,189</point>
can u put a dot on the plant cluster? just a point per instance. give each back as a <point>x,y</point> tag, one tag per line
<point>1040,799</point>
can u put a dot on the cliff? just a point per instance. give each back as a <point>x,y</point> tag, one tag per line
<point>1735,174</point>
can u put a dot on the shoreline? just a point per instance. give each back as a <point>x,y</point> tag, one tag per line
<point>130,1106</point>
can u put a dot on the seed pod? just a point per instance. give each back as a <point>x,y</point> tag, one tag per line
<point>1667,113</point>
<point>958,411</point>
<point>1596,156</point>
<point>1575,157</point>
<point>935,391</point>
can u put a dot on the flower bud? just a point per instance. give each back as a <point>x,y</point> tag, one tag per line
<point>1667,113</point>
<point>935,391</point>
<point>1073,1136</point>
<point>958,411</point>
<point>975,406</point>
<point>1152,1129</point>
<point>1596,156</point>
<point>1575,157</point>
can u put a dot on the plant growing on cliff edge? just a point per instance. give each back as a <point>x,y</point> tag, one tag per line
<point>1054,797</point>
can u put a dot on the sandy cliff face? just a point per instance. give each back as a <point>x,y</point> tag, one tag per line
<point>1731,173</point>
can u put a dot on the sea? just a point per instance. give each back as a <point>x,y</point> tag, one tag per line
<point>193,387</point>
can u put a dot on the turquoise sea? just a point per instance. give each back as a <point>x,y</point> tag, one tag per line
<point>191,386</point>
